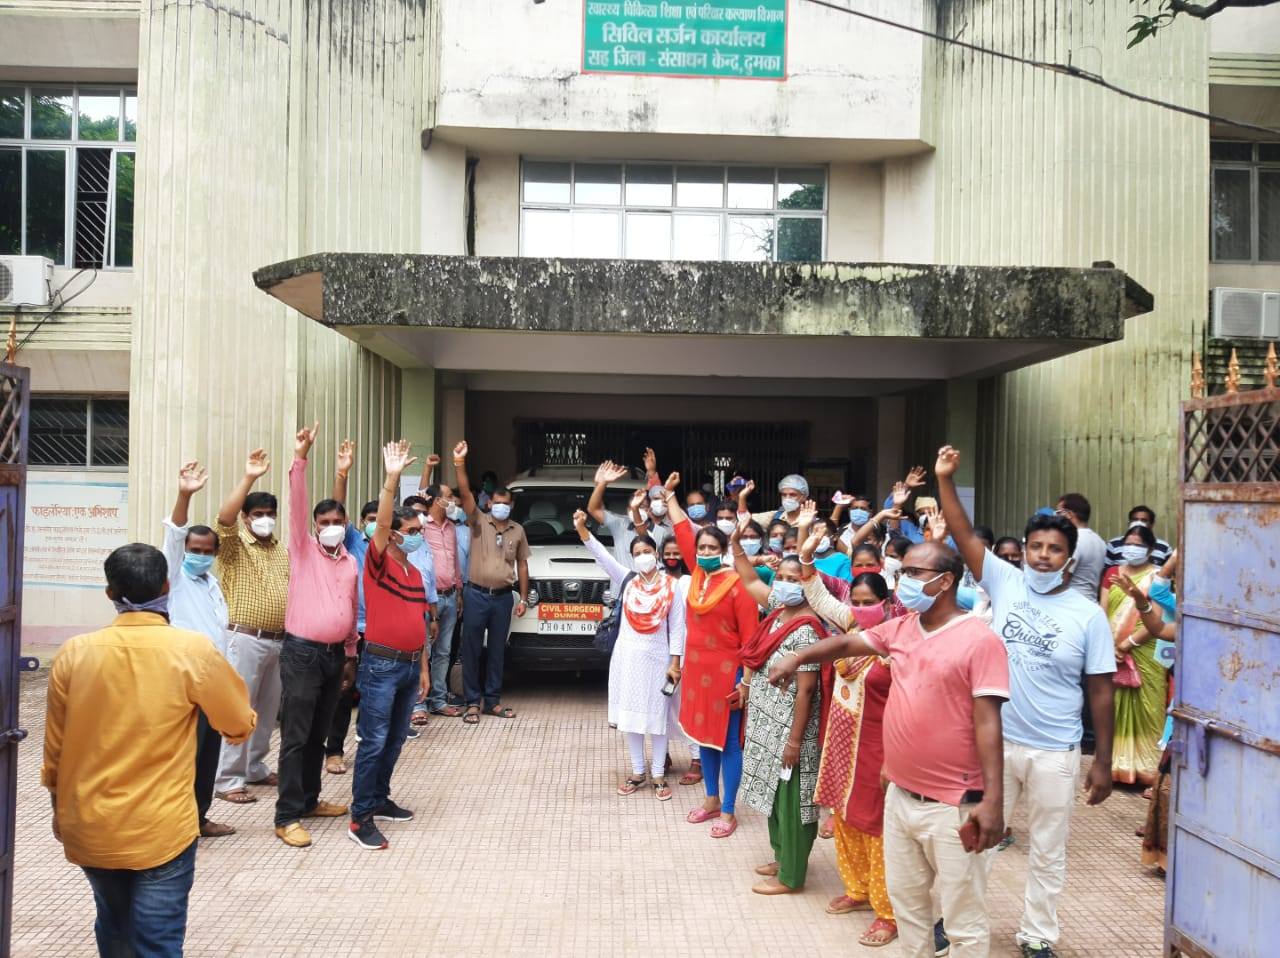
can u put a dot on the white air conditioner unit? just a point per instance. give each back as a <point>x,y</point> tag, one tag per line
<point>24,280</point>
<point>1245,313</point>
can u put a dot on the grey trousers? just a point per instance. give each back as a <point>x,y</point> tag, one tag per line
<point>258,662</point>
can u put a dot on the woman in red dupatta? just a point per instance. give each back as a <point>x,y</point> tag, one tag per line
<point>719,618</point>
<point>853,752</point>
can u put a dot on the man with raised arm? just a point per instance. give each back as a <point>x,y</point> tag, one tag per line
<point>1057,640</point>
<point>196,603</point>
<point>394,669</point>
<point>318,657</point>
<point>253,568</point>
<point>499,559</point>
<point>943,752</point>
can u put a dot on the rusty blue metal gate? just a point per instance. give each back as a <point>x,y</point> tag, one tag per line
<point>1223,896</point>
<point>14,397</point>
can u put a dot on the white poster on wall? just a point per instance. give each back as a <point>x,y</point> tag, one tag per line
<point>71,528</point>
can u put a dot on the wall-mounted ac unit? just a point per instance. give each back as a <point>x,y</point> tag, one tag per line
<point>1245,313</point>
<point>24,280</point>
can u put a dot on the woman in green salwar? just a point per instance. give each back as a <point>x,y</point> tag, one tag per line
<point>1140,710</point>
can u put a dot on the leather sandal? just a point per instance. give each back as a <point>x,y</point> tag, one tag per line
<point>880,933</point>
<point>237,796</point>
<point>472,715</point>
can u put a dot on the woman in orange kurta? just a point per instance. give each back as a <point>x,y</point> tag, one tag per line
<point>720,617</point>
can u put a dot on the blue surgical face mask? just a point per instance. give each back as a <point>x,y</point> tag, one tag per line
<point>410,542</point>
<point>788,593</point>
<point>159,604</point>
<point>775,545</point>
<point>697,511</point>
<point>912,595</point>
<point>194,564</point>
<point>751,546</point>
<point>711,563</point>
<point>859,517</point>
<point>1134,554</point>
<point>500,511</point>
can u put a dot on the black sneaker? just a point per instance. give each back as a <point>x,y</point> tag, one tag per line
<point>366,835</point>
<point>414,732</point>
<point>1038,950</point>
<point>941,943</point>
<point>391,812</point>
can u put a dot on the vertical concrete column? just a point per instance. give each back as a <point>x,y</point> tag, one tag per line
<point>891,430</point>
<point>454,423</point>
<point>962,432</point>
<point>269,129</point>
<point>418,411</point>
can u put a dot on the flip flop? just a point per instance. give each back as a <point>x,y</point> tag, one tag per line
<point>723,829</point>
<point>871,937</point>
<point>693,776</point>
<point>237,796</point>
<point>662,790</point>
<point>700,815</point>
<point>631,785</point>
<point>844,904</point>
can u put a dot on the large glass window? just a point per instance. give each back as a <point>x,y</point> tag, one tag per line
<point>67,173</point>
<point>672,211</point>
<point>1244,213</point>
<point>79,432</point>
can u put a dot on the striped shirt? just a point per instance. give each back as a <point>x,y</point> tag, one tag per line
<point>395,603</point>
<point>254,577</point>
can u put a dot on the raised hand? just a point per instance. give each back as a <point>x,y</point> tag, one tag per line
<point>937,526</point>
<point>740,528</point>
<point>1129,586</point>
<point>810,547</point>
<point>304,440</point>
<point>673,481</point>
<point>808,512</point>
<point>610,471</point>
<point>639,498</point>
<point>745,492</point>
<point>580,521</point>
<point>889,515</point>
<point>258,464</point>
<point>460,451</point>
<point>948,462</point>
<point>395,456</point>
<point>900,494</point>
<point>433,460</point>
<point>346,456</point>
<point>192,478</point>
<point>650,462</point>
<point>916,477</point>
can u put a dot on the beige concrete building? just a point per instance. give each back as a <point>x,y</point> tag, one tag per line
<point>524,143</point>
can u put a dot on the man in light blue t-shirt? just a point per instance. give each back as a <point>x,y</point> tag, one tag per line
<point>1058,643</point>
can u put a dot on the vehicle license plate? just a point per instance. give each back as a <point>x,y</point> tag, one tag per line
<point>569,618</point>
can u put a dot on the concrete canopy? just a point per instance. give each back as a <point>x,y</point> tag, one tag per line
<point>874,323</point>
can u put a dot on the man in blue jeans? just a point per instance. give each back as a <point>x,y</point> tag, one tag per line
<point>393,667</point>
<point>499,559</point>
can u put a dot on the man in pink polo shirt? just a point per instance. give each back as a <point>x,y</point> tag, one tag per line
<point>943,751</point>
<point>317,659</point>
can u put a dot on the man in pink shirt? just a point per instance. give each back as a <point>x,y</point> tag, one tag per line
<point>317,660</point>
<point>943,751</point>
<point>441,534</point>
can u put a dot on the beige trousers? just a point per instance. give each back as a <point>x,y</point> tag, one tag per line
<point>1045,782</point>
<point>923,854</point>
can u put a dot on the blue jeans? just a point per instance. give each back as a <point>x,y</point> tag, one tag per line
<point>143,914</point>
<point>492,614</point>
<point>388,690</point>
<point>447,614</point>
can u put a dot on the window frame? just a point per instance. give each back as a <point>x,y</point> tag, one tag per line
<point>724,212</point>
<point>70,147</point>
<point>88,399</point>
<point>1253,166</point>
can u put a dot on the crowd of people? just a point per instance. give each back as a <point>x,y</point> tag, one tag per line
<point>896,680</point>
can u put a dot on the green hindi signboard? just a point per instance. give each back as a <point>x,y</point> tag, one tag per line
<point>744,39</point>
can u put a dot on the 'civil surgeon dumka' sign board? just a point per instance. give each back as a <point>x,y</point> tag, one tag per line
<point>742,39</point>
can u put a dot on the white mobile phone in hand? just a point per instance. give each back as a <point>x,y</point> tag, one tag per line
<point>785,774</point>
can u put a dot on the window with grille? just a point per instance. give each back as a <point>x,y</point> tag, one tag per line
<point>672,211</point>
<point>67,173</point>
<point>1244,212</point>
<point>79,432</point>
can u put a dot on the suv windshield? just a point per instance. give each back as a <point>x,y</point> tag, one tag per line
<point>546,512</point>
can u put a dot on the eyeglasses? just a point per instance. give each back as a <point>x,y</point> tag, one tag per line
<point>919,572</point>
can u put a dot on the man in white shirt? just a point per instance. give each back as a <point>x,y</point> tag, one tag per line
<point>196,603</point>
<point>1091,548</point>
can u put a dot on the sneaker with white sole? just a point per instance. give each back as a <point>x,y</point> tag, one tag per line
<point>391,812</point>
<point>941,943</point>
<point>1038,949</point>
<point>365,834</point>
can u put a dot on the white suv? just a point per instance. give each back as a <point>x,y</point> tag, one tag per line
<point>568,592</point>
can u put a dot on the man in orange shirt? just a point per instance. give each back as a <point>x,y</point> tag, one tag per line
<point>119,754</point>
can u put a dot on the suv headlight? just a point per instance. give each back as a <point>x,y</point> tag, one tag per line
<point>533,598</point>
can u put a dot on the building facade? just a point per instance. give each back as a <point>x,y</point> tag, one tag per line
<point>558,148</point>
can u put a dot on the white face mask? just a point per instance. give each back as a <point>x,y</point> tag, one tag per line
<point>645,562</point>
<point>644,515</point>
<point>500,511</point>
<point>824,544</point>
<point>263,526</point>
<point>891,566</point>
<point>658,508</point>
<point>726,526</point>
<point>453,512</point>
<point>331,536</point>
<point>790,505</point>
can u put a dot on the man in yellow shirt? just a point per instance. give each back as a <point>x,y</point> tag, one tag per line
<point>119,754</point>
